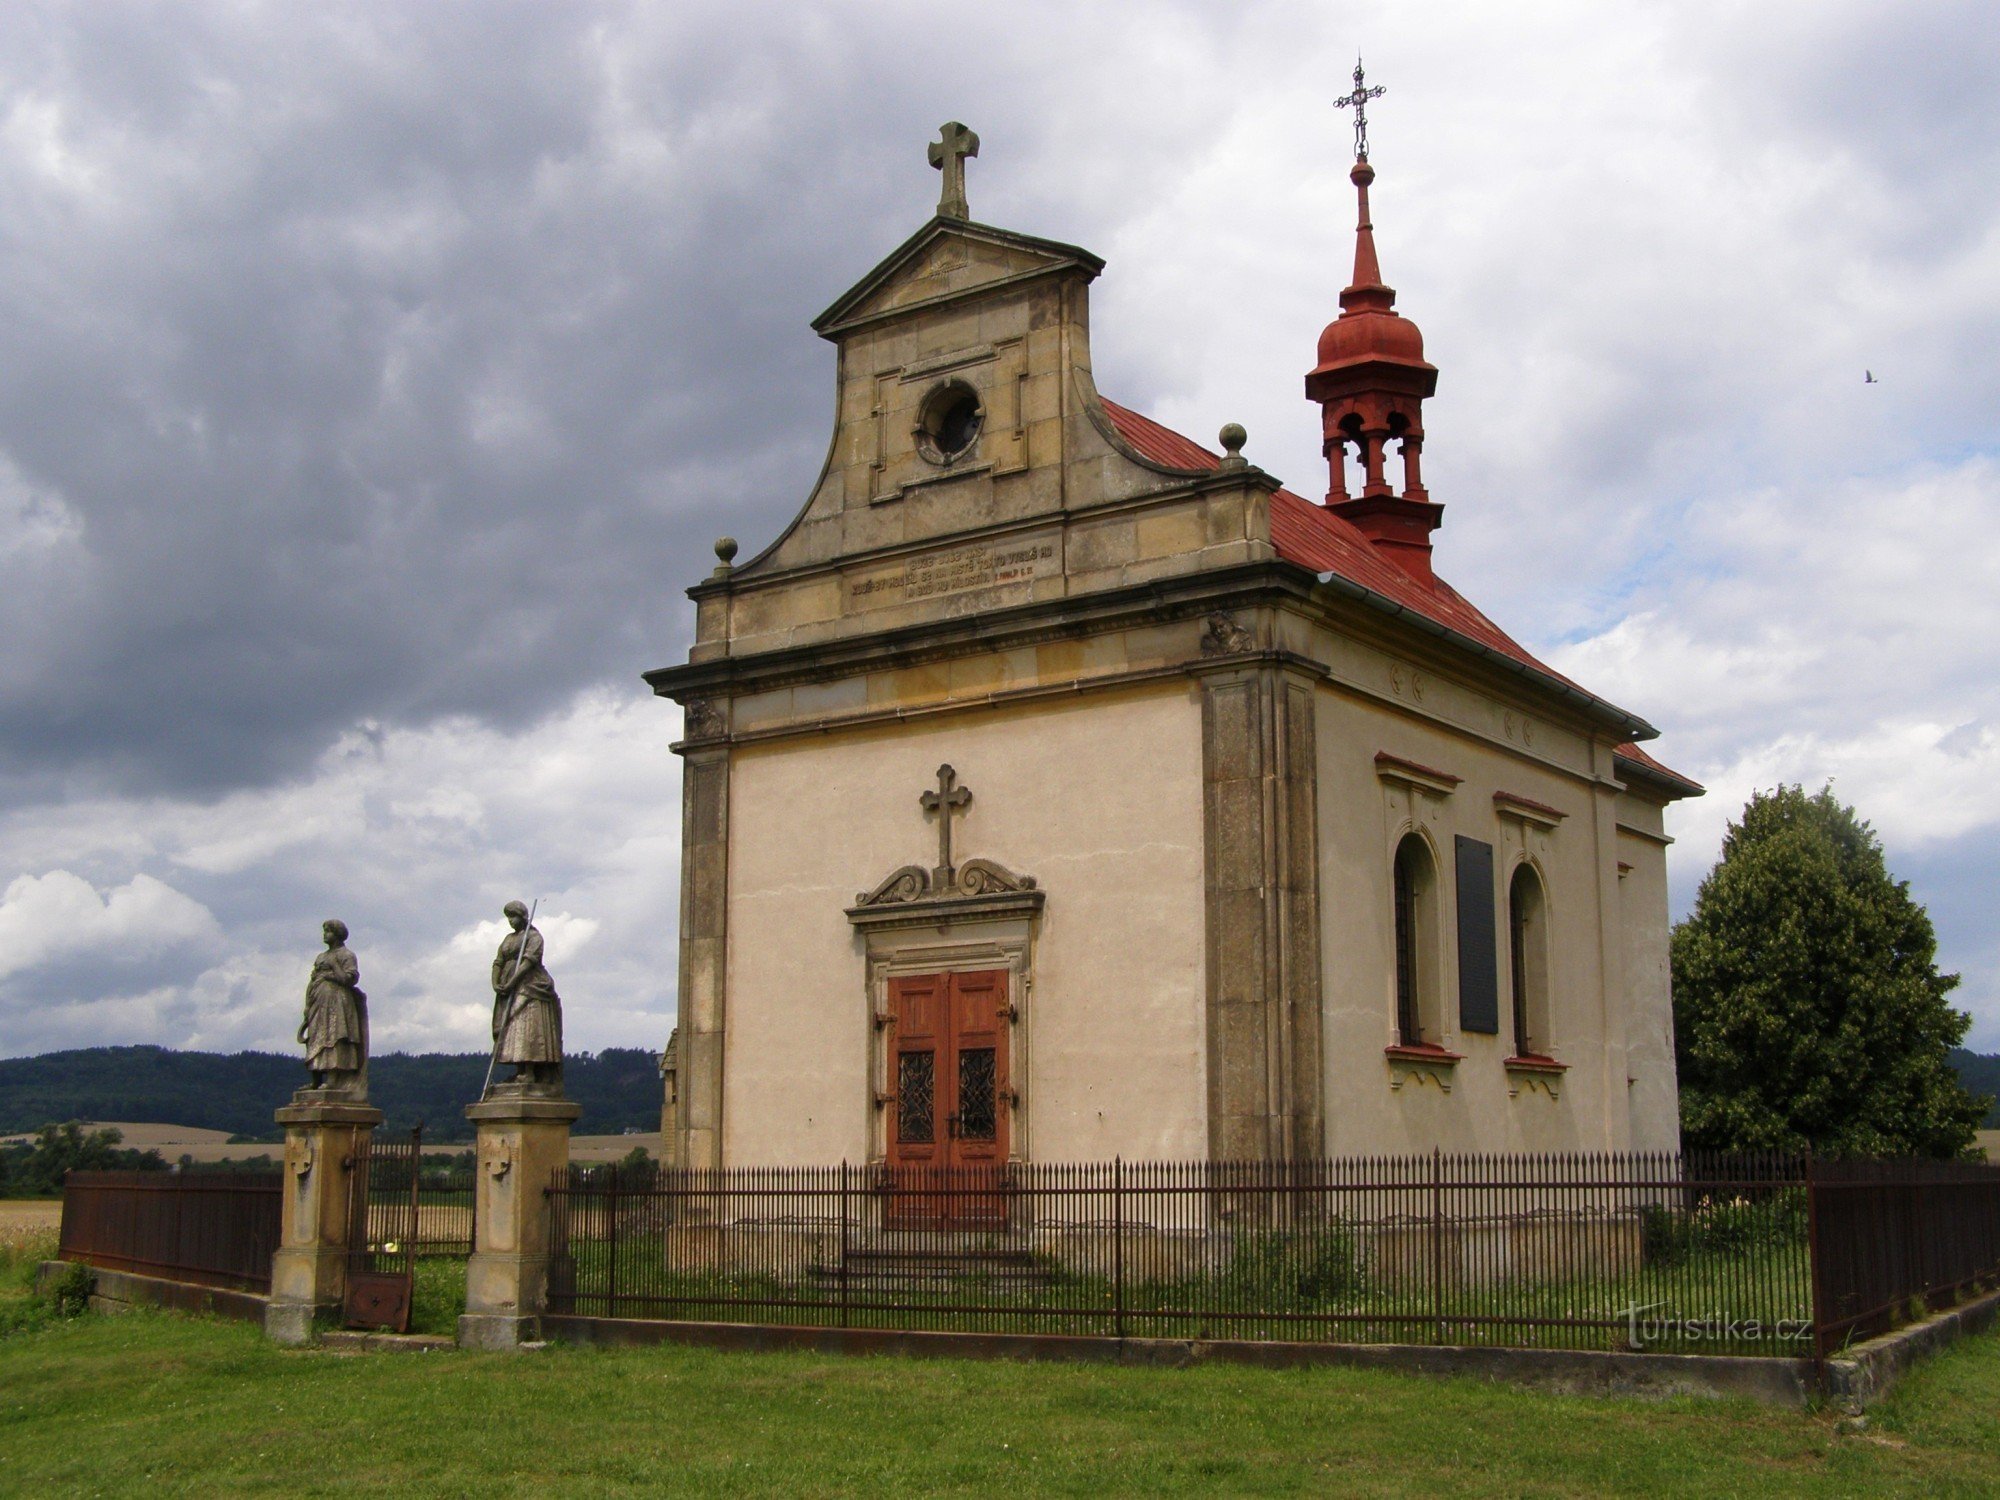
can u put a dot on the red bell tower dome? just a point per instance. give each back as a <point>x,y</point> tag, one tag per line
<point>1370,383</point>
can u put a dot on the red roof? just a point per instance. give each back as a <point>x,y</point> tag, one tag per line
<point>1316,538</point>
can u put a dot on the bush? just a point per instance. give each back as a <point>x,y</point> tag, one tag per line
<point>1295,1270</point>
<point>72,1289</point>
<point>1717,1226</point>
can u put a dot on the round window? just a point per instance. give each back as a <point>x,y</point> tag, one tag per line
<point>948,422</point>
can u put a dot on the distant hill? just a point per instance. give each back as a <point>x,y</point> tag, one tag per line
<point>619,1088</point>
<point>1980,1073</point>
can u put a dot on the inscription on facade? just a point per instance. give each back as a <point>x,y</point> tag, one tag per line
<point>958,571</point>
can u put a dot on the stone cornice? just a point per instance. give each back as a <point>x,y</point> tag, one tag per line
<point>946,911</point>
<point>1413,773</point>
<point>743,580</point>
<point>1645,833</point>
<point>1034,623</point>
<point>1527,810</point>
<point>1060,257</point>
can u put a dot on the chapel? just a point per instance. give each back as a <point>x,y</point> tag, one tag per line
<point>1057,789</point>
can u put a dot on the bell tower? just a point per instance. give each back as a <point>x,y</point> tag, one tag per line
<point>1370,383</point>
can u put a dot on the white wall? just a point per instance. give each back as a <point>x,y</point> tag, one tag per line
<point>1099,798</point>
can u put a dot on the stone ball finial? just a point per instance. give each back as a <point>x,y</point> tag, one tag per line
<point>725,553</point>
<point>1233,437</point>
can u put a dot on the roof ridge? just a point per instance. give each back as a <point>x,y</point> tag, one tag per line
<point>1314,537</point>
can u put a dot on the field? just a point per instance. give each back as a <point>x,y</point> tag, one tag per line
<point>28,1225</point>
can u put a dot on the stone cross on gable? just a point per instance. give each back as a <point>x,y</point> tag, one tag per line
<point>948,797</point>
<point>948,154</point>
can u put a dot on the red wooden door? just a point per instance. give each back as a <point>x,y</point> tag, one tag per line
<point>949,1077</point>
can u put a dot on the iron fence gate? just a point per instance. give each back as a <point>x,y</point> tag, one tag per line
<point>383,1218</point>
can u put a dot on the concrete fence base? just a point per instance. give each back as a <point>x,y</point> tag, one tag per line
<point>120,1291</point>
<point>1857,1377</point>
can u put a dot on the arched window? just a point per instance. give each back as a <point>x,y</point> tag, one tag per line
<point>1415,901</point>
<point>1528,962</point>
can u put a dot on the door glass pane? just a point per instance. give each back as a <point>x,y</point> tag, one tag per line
<point>977,1120</point>
<point>915,1088</point>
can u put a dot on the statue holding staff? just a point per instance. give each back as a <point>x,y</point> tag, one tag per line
<point>335,1029</point>
<point>527,1012</point>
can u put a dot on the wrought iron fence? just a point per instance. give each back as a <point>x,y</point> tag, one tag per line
<point>1893,1240</point>
<point>447,1206</point>
<point>212,1228</point>
<point>1578,1251</point>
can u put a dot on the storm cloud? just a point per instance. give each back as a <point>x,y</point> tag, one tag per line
<point>375,377</point>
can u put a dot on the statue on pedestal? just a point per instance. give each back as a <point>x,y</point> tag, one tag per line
<point>527,1012</point>
<point>335,1029</point>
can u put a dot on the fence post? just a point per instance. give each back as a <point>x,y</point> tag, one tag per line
<point>1920,1225</point>
<point>1815,1263</point>
<point>1437,1240</point>
<point>843,1242</point>
<point>324,1139</point>
<point>523,1143</point>
<point>1118,1245</point>
<point>611,1243</point>
<point>416,1204</point>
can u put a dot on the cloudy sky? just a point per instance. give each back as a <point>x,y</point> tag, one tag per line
<point>374,378</point>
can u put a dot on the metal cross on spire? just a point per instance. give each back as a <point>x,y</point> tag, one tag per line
<point>1359,101</point>
<point>947,799</point>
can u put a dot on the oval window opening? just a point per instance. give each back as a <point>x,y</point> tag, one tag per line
<point>949,423</point>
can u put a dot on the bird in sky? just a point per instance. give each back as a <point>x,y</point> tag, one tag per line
<point>1868,378</point>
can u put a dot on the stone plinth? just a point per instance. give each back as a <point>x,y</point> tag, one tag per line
<point>523,1140</point>
<point>323,1136</point>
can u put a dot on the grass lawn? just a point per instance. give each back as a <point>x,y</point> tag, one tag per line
<point>160,1403</point>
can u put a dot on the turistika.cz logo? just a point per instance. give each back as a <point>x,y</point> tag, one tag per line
<point>1646,1325</point>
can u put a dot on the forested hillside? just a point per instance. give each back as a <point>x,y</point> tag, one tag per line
<point>618,1088</point>
<point>1980,1073</point>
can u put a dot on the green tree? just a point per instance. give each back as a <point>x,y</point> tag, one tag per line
<point>60,1148</point>
<point>1808,1008</point>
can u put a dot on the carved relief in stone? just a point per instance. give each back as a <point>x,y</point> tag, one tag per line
<point>945,880</point>
<point>703,720</point>
<point>1226,636</point>
<point>911,883</point>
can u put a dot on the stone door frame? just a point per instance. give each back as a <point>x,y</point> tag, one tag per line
<point>937,949</point>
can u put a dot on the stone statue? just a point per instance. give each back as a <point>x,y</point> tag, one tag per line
<point>335,1029</point>
<point>527,1013</point>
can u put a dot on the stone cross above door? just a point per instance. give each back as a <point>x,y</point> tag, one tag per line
<point>948,798</point>
<point>948,882</point>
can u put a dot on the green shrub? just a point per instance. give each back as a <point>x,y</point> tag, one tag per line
<point>1295,1270</point>
<point>1717,1226</point>
<point>70,1296</point>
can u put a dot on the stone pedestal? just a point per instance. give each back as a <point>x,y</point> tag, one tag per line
<point>523,1140</point>
<point>323,1137</point>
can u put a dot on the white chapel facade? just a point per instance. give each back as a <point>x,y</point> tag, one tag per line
<point>1056,789</point>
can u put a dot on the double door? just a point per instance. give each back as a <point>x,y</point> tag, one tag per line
<point>948,1069</point>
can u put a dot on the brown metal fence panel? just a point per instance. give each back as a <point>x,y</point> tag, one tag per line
<point>1896,1239</point>
<point>1577,1251</point>
<point>446,1205</point>
<point>211,1228</point>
